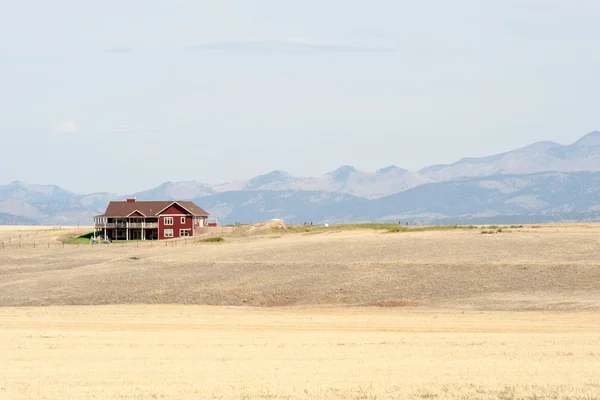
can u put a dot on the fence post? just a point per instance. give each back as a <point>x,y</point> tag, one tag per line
<point>34,245</point>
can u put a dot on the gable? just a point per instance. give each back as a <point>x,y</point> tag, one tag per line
<point>136,214</point>
<point>174,209</point>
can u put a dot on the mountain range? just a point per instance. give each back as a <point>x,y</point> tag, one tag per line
<point>544,181</point>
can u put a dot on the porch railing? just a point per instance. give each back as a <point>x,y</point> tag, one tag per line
<point>131,225</point>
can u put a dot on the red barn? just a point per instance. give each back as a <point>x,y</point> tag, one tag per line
<point>150,220</point>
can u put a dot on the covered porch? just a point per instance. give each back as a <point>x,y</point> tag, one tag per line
<point>127,228</point>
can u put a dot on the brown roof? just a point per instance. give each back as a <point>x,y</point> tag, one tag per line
<point>148,208</point>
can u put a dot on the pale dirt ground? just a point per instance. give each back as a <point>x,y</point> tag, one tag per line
<point>514,315</point>
<point>200,352</point>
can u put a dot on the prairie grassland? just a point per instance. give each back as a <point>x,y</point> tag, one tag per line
<point>199,352</point>
<point>335,314</point>
<point>388,227</point>
<point>27,234</point>
<point>546,268</point>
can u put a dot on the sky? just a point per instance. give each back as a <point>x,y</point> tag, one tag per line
<point>121,96</point>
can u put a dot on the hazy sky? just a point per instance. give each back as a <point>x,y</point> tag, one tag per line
<point>123,95</point>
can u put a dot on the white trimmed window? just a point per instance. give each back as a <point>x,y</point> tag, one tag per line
<point>182,220</point>
<point>184,232</point>
<point>168,233</point>
<point>168,220</point>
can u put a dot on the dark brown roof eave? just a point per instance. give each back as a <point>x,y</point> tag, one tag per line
<point>147,216</point>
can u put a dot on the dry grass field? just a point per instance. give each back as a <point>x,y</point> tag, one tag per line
<point>200,352</point>
<point>547,268</point>
<point>335,314</point>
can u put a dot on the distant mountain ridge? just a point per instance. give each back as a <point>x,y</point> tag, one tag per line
<point>583,155</point>
<point>345,179</point>
<point>49,204</point>
<point>545,178</point>
<point>545,196</point>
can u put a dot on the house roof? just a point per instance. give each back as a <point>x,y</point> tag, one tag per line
<point>124,209</point>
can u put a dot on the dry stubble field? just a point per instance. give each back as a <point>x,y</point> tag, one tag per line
<point>340,315</point>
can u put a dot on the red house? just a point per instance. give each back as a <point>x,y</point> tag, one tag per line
<point>150,220</point>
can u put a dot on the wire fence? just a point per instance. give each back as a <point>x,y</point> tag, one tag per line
<point>20,236</point>
<point>35,240</point>
<point>107,245</point>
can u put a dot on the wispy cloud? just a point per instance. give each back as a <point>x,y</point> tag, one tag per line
<point>68,126</point>
<point>291,45</point>
<point>125,128</point>
<point>119,50</point>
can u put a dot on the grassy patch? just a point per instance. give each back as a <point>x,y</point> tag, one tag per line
<point>212,240</point>
<point>491,231</point>
<point>87,239</point>
<point>398,303</point>
<point>83,239</point>
<point>390,228</point>
<point>331,228</point>
<point>399,229</point>
<point>77,240</point>
<point>134,258</point>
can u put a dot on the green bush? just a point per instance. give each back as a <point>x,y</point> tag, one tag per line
<point>213,240</point>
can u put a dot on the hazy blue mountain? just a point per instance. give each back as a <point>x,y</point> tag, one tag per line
<point>548,196</point>
<point>33,193</point>
<point>583,155</point>
<point>545,180</point>
<point>275,180</point>
<point>9,219</point>
<point>176,190</point>
<point>550,193</point>
<point>292,206</point>
<point>49,204</point>
<point>345,179</point>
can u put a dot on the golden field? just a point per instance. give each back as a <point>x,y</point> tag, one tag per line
<point>356,314</point>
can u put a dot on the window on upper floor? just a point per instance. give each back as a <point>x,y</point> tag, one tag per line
<point>183,220</point>
<point>168,220</point>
